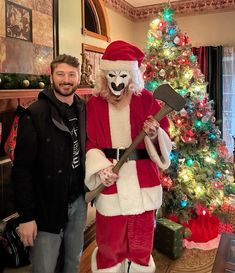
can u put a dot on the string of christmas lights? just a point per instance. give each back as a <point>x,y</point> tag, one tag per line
<point>200,176</point>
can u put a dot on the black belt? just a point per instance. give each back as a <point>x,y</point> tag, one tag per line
<point>117,154</point>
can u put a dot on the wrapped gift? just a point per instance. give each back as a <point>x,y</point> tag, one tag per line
<point>169,238</point>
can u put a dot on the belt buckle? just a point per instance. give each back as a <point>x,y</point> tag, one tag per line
<point>118,152</point>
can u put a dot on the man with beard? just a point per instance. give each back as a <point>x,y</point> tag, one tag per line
<point>126,208</point>
<point>48,171</point>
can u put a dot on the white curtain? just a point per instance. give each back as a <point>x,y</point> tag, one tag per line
<point>229,97</point>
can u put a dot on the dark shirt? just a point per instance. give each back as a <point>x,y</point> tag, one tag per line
<point>71,120</point>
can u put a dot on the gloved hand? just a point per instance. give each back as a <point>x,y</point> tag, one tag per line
<point>151,127</point>
<point>107,176</point>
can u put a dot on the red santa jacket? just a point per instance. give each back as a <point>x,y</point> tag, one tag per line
<point>138,187</point>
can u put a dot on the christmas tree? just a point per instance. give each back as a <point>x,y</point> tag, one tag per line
<point>200,176</point>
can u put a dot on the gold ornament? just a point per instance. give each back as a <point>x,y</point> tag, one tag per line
<point>26,83</point>
<point>41,84</point>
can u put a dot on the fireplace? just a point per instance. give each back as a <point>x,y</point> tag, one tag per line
<point>9,99</point>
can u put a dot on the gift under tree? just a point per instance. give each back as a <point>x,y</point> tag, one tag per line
<point>200,176</point>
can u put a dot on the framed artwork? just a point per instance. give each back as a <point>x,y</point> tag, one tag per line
<point>18,22</point>
<point>93,55</point>
<point>28,36</point>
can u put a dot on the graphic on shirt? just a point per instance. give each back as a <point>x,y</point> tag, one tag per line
<point>76,146</point>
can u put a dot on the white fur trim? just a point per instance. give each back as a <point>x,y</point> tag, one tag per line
<point>212,244</point>
<point>118,268</point>
<point>152,197</point>
<point>165,145</point>
<point>142,68</point>
<point>134,268</point>
<point>118,65</point>
<point>95,161</point>
<point>144,199</point>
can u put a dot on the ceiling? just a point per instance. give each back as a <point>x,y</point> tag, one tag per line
<point>141,3</point>
<point>137,10</point>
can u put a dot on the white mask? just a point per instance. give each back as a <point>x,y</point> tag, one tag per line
<point>117,80</point>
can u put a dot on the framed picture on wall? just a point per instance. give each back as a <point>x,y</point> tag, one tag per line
<point>18,22</point>
<point>92,55</point>
<point>28,36</point>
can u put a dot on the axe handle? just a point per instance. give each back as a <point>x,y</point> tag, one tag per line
<point>89,196</point>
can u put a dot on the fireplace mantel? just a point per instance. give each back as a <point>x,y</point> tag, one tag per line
<point>32,93</point>
<point>19,93</point>
<point>10,98</point>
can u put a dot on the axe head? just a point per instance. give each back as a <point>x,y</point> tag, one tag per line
<point>168,95</point>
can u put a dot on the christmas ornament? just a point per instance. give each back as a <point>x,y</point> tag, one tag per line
<point>167,182</point>
<point>183,112</point>
<point>183,203</point>
<point>162,73</point>
<point>162,25</point>
<point>154,24</point>
<point>41,85</point>
<point>26,83</point>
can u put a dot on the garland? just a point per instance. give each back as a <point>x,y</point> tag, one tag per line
<point>23,81</point>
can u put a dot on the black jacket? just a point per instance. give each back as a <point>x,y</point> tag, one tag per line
<point>42,164</point>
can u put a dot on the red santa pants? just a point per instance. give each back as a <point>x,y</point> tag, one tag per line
<point>124,237</point>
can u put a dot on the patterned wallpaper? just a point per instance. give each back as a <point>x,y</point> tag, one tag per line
<point>26,36</point>
<point>183,7</point>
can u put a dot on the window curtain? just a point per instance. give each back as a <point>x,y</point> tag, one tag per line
<point>200,52</point>
<point>210,62</point>
<point>215,80</point>
<point>229,98</point>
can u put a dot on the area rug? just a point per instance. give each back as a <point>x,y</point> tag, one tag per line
<point>192,260</point>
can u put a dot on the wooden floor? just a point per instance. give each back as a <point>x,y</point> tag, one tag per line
<point>84,268</point>
<point>86,258</point>
<point>192,261</point>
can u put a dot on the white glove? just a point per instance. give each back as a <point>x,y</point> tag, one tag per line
<point>107,176</point>
<point>151,127</point>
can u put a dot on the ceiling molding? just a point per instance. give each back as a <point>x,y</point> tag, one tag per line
<point>183,8</point>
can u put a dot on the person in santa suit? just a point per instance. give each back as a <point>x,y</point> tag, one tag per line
<point>125,209</point>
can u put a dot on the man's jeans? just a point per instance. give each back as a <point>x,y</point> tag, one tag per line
<point>45,252</point>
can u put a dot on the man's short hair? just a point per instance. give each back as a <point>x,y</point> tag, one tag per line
<point>64,58</point>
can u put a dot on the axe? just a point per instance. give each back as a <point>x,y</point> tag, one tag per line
<point>173,101</point>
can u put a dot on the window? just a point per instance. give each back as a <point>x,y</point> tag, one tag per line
<point>95,20</point>
<point>229,97</point>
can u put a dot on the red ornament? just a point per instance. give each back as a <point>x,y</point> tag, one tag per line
<point>223,151</point>
<point>185,39</point>
<point>167,182</point>
<point>217,185</point>
<point>162,25</point>
<point>201,210</point>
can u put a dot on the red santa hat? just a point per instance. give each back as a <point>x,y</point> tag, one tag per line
<point>120,55</point>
